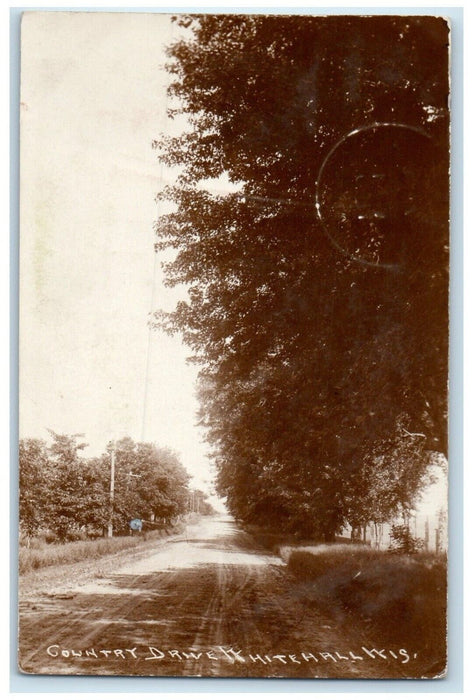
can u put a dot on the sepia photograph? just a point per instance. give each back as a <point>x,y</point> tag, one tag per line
<point>233,345</point>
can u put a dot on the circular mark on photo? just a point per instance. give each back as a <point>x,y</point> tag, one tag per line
<point>373,191</point>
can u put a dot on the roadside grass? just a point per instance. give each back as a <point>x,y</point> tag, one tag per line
<point>399,599</point>
<point>269,539</point>
<point>40,554</point>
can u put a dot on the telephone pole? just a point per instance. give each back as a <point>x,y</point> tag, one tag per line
<point>112,491</point>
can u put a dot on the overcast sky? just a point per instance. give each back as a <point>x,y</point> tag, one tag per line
<point>93,99</point>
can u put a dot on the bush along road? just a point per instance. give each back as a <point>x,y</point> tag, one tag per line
<point>210,601</point>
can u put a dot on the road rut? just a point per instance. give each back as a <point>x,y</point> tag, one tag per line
<point>208,602</point>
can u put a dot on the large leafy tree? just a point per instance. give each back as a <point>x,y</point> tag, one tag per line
<point>150,482</point>
<point>63,492</point>
<point>317,291</point>
<point>391,479</point>
<point>34,481</point>
<point>74,501</point>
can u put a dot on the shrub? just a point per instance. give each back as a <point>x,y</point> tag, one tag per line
<point>403,542</point>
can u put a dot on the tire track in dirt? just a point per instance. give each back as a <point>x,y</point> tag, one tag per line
<point>183,608</point>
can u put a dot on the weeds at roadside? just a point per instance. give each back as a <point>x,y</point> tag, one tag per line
<point>400,599</point>
<point>33,558</point>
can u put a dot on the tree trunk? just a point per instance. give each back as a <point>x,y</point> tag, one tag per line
<point>329,535</point>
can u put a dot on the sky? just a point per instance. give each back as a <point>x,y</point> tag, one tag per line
<point>93,97</point>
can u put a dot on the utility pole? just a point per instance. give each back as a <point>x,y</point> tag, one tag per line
<point>112,490</point>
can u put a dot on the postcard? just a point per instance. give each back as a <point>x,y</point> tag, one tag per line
<point>234,290</point>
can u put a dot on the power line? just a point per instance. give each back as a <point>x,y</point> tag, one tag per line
<point>148,352</point>
<point>153,301</point>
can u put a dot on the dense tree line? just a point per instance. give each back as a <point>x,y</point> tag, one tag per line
<point>69,495</point>
<point>318,289</point>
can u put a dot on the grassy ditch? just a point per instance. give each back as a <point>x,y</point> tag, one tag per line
<point>270,539</point>
<point>41,555</point>
<point>398,599</point>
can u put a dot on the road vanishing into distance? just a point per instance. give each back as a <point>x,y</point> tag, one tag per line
<point>207,602</point>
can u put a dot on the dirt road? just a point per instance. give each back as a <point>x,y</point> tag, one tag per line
<point>207,602</point>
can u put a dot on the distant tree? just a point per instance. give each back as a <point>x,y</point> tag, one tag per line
<point>198,503</point>
<point>63,492</point>
<point>34,478</point>
<point>74,503</point>
<point>150,482</point>
<point>163,488</point>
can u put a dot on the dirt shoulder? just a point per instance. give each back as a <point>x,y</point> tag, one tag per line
<point>208,602</point>
<point>65,576</point>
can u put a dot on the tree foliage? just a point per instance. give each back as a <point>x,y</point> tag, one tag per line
<point>69,495</point>
<point>318,328</point>
<point>34,470</point>
<point>72,498</point>
<point>150,482</point>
